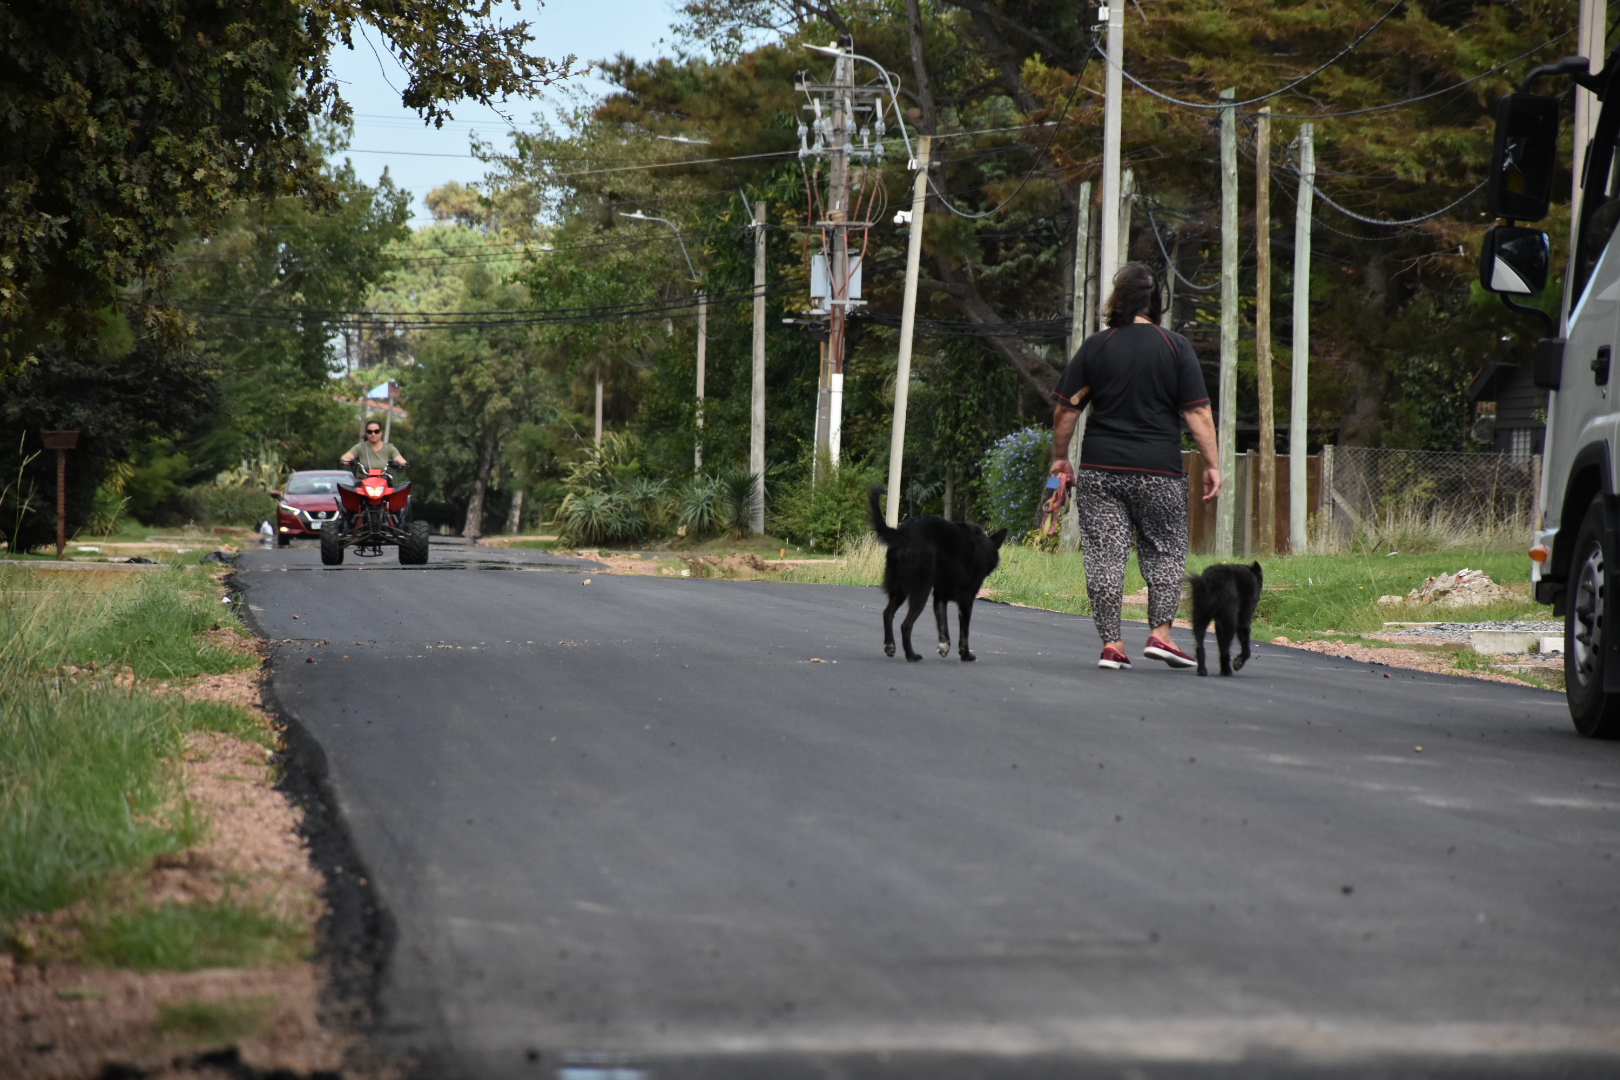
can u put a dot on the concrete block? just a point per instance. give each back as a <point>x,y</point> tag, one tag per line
<point>1497,642</point>
<point>1553,644</point>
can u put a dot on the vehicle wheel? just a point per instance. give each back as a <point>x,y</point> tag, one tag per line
<point>413,550</point>
<point>283,540</point>
<point>1596,714</point>
<point>331,544</point>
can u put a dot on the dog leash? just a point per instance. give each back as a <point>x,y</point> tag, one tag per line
<point>1052,508</point>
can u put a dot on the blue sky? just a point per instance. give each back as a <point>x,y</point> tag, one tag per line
<point>421,158</point>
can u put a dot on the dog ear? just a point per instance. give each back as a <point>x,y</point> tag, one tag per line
<point>998,537</point>
<point>1259,574</point>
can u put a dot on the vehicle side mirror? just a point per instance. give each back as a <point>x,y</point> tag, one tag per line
<point>1514,261</point>
<point>276,494</point>
<point>1524,157</point>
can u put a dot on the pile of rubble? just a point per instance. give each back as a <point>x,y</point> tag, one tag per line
<point>1464,588</point>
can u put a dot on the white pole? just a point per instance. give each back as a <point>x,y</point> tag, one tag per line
<point>756,428</point>
<point>1082,242</point>
<point>1300,362</point>
<point>1226,505</point>
<point>908,326</point>
<point>598,410</point>
<point>702,357</point>
<point>1113,88</point>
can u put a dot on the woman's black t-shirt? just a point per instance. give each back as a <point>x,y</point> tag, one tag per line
<point>1141,378</point>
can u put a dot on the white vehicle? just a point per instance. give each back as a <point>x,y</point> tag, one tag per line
<point>1577,540</point>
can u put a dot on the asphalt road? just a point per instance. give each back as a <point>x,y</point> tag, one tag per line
<point>628,829</point>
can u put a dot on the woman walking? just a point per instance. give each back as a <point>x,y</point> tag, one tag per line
<point>1141,381</point>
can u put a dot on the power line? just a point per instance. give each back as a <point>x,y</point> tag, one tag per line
<point>1034,165</point>
<point>1342,53</point>
<point>1353,112</point>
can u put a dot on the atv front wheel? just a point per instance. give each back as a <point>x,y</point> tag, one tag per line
<point>413,549</point>
<point>331,544</point>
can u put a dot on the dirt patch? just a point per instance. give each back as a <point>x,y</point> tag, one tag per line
<point>1411,659</point>
<point>62,1018</point>
<point>628,564</point>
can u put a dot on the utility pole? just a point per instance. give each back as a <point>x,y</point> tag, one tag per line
<point>1113,89</point>
<point>702,357</point>
<point>908,326</point>
<point>838,217</point>
<point>839,107</point>
<point>1127,192</point>
<point>1226,505</point>
<point>599,406</point>
<point>756,429</point>
<point>1079,306</point>
<point>1267,501</point>
<point>1300,363</point>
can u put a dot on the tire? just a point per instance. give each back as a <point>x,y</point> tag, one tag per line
<point>413,550</point>
<point>331,544</point>
<point>283,540</point>
<point>1596,714</point>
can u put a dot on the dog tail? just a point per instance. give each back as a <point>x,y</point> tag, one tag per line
<point>885,535</point>
<point>1199,587</point>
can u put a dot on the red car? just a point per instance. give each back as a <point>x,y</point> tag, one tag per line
<point>310,501</point>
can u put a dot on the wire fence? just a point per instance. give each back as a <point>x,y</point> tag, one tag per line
<point>1417,500</point>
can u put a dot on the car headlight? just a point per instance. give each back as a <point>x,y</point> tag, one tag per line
<point>293,510</point>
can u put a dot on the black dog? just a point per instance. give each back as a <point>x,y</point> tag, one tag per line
<point>949,558</point>
<point>1226,593</point>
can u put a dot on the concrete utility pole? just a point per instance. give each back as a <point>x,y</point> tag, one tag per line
<point>702,358</point>
<point>756,430</point>
<point>1113,88</point>
<point>1300,363</point>
<point>838,216</point>
<point>908,326</point>
<point>1079,306</point>
<point>599,408</point>
<point>1266,504</point>
<point>1226,505</point>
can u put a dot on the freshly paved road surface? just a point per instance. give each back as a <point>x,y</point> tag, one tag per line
<point>628,830</point>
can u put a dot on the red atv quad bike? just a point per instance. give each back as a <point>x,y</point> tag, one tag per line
<point>375,512</point>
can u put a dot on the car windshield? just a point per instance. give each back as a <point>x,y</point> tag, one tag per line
<point>314,483</point>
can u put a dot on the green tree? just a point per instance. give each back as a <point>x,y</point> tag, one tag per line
<point>130,124</point>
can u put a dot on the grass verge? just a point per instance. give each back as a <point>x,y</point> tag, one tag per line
<point>1306,597</point>
<point>90,791</point>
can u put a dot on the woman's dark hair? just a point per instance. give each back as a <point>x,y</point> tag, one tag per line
<point>1136,292</point>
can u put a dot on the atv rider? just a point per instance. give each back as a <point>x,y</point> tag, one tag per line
<point>373,453</point>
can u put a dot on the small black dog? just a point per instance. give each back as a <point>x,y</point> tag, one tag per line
<point>1226,593</point>
<point>949,558</point>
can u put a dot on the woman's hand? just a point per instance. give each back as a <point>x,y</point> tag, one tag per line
<point>1212,483</point>
<point>1062,467</point>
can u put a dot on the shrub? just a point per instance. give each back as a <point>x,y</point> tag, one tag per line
<point>1015,471</point>
<point>739,494</point>
<point>697,506</point>
<point>600,517</point>
<point>828,515</point>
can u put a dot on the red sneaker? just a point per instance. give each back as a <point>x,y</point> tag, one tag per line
<point>1163,650</point>
<point>1113,658</point>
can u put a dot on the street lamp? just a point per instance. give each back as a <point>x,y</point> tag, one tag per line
<point>702,331</point>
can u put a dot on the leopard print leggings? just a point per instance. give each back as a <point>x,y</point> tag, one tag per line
<point>1113,507</point>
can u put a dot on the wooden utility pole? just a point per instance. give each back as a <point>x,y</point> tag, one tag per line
<point>756,429</point>
<point>1300,361</point>
<point>1266,504</point>
<point>838,265</point>
<point>908,327</point>
<point>1226,505</point>
<point>1113,92</point>
<point>702,357</point>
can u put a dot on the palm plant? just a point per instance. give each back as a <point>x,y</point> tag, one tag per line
<point>739,494</point>
<point>600,517</point>
<point>697,505</point>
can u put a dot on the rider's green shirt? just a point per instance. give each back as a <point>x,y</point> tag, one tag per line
<point>368,458</point>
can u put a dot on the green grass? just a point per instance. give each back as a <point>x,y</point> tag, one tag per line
<point>189,937</point>
<point>1305,594</point>
<point>89,787</point>
<point>213,1022</point>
